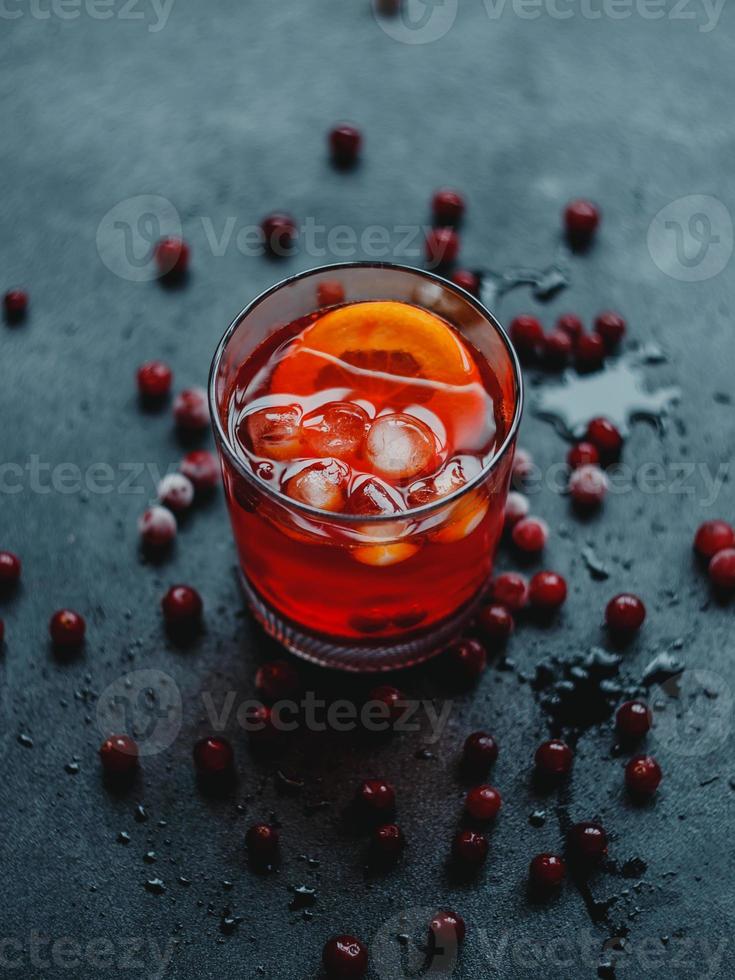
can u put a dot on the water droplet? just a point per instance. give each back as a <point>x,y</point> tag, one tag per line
<point>26,741</point>
<point>155,886</point>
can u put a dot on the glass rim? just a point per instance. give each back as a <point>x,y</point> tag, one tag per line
<point>222,437</point>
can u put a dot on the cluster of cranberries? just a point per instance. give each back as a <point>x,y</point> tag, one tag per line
<point>600,447</point>
<point>714,542</point>
<point>568,341</point>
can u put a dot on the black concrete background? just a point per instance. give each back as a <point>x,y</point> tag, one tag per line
<point>223,112</point>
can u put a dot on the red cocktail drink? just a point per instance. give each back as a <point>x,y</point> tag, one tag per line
<point>366,417</point>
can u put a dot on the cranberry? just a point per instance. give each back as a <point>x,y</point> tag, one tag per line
<point>447,929</point>
<point>376,796</point>
<point>469,657</point>
<point>119,754</point>
<point>558,347</point>
<point>583,454</point>
<point>588,841</point>
<point>633,719</point>
<point>530,535</point>
<point>442,246</point>
<point>589,352</point>
<point>588,486</point>
<point>182,605</point>
<point>547,871</point>
<point>345,958</point>
<point>510,590</point>
<point>388,841</point>
<point>571,325</point>
<point>15,302</point>
<point>469,847</point>
<point>483,803</point>
<point>172,256</point>
<point>263,732</point>
<point>67,628</point>
<point>448,206</point>
<point>611,327</point>
<point>331,292</point>
<point>391,697</point>
<point>262,841</point>
<point>10,567</point>
<point>554,758</point>
<point>722,569</point>
<point>467,280</point>
<point>625,613</point>
<point>714,536</point>
<point>643,775</point>
<point>345,142</point>
<point>480,751</point>
<point>191,411</point>
<point>516,508</point>
<point>202,468</point>
<point>581,219</point>
<point>277,679</point>
<point>213,756</point>
<point>279,232</point>
<point>527,335</point>
<point>176,492</point>
<point>547,590</point>
<point>522,465</point>
<point>602,433</point>
<point>495,623</point>
<point>157,528</point>
<point>154,380</point>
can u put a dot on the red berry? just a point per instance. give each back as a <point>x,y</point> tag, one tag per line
<point>581,219</point>
<point>530,535</point>
<point>201,467</point>
<point>516,508</point>
<point>588,486</point>
<point>554,758</point>
<point>157,528</point>
<point>345,142</point>
<point>469,847</point>
<point>611,327</point>
<point>213,756</point>
<point>547,871</point>
<point>118,754</point>
<point>589,352</point>
<point>388,841</point>
<point>510,590</point>
<point>527,335</point>
<point>277,679</point>
<point>523,466</point>
<point>154,380</point>
<point>480,751</point>
<point>625,613</point>
<point>583,454</point>
<point>10,568</point>
<point>547,590</point>
<point>483,803</point>
<point>633,719</point>
<point>376,796</point>
<point>442,246</point>
<point>330,292</point>
<point>191,411</point>
<point>344,958</point>
<point>262,841</point>
<point>558,347</point>
<point>495,623</point>
<point>279,232</point>
<point>176,492</point>
<point>391,697</point>
<point>447,929</point>
<point>643,775</point>
<point>588,841</point>
<point>263,733</point>
<point>15,302</point>
<point>467,280</point>
<point>67,628</point>
<point>182,605</point>
<point>602,433</point>
<point>469,657</point>
<point>713,536</point>
<point>448,206</point>
<point>570,324</point>
<point>172,256</point>
<point>722,569</point>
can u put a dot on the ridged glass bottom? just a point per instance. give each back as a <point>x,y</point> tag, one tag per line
<point>371,656</point>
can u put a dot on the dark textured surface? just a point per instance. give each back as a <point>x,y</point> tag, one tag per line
<point>223,112</point>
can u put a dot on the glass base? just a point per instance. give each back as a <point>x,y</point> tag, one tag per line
<point>370,657</point>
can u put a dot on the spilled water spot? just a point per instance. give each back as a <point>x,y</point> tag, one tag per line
<point>544,283</point>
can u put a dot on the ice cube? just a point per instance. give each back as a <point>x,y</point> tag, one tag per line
<point>400,447</point>
<point>454,475</point>
<point>385,554</point>
<point>336,429</point>
<point>322,485</point>
<point>372,496</point>
<point>273,432</point>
